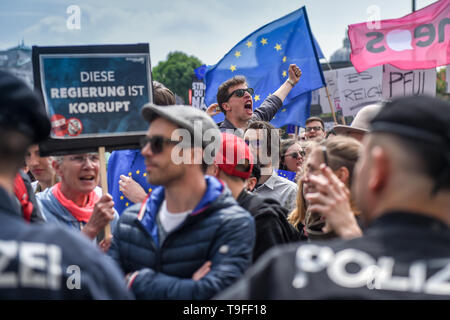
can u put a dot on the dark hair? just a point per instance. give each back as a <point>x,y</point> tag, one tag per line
<point>311,119</point>
<point>272,151</point>
<point>222,92</point>
<point>162,96</point>
<point>256,172</point>
<point>13,147</point>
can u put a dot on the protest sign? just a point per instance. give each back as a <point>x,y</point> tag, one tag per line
<point>321,94</point>
<point>93,95</point>
<point>399,83</point>
<point>198,95</point>
<point>357,90</point>
<point>447,78</point>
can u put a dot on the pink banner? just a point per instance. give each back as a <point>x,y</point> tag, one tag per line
<point>420,40</point>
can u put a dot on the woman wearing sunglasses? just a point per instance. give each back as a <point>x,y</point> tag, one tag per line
<point>292,155</point>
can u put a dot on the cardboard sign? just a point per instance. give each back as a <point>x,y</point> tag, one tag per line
<point>93,95</point>
<point>198,95</point>
<point>357,90</point>
<point>399,83</point>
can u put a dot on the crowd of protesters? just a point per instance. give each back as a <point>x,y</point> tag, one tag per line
<point>366,215</point>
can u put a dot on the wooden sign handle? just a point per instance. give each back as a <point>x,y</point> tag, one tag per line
<point>104,182</point>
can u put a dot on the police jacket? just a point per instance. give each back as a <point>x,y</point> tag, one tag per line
<point>217,230</point>
<point>40,261</point>
<point>401,256</point>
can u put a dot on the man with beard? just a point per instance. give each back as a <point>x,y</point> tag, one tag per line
<point>189,239</point>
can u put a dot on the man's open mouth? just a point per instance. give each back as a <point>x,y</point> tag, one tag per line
<point>248,105</point>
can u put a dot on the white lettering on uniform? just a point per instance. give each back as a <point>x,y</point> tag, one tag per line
<point>37,265</point>
<point>374,274</point>
<point>8,251</point>
<point>338,273</point>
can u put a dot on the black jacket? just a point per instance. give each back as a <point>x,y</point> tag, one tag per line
<point>401,256</point>
<point>272,227</point>
<point>41,261</point>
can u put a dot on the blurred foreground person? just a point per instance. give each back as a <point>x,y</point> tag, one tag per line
<point>402,185</point>
<point>41,261</point>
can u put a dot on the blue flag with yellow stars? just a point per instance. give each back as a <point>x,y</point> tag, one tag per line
<point>129,163</point>
<point>264,57</point>
<point>287,174</point>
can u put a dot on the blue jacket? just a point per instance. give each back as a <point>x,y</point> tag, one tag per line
<point>54,212</point>
<point>43,261</point>
<point>217,230</point>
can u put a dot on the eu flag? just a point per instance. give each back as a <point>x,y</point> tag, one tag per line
<point>264,57</point>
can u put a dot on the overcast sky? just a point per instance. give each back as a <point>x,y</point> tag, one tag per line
<point>207,29</point>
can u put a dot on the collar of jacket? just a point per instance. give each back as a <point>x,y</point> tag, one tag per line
<point>150,207</point>
<point>399,219</point>
<point>8,204</point>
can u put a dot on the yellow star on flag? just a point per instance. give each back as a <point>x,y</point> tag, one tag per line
<point>257,97</point>
<point>249,44</point>
<point>130,174</point>
<point>284,59</point>
<point>145,174</point>
<point>121,197</point>
<point>137,171</point>
<point>283,110</point>
<point>278,47</point>
<point>237,54</point>
<point>149,189</point>
<point>284,74</point>
<point>263,41</point>
<point>126,204</point>
<point>233,68</point>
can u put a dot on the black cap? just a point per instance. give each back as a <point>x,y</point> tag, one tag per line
<point>421,118</point>
<point>21,108</point>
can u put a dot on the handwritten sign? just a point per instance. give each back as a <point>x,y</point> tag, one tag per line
<point>198,95</point>
<point>320,96</point>
<point>357,90</point>
<point>399,83</point>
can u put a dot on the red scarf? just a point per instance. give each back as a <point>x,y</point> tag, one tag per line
<point>80,213</point>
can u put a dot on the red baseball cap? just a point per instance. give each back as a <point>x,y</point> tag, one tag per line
<point>233,151</point>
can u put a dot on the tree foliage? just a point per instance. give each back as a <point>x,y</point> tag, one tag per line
<point>176,73</point>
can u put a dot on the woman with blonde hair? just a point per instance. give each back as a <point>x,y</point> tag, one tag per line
<point>340,154</point>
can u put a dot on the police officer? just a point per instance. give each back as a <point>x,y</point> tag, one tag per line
<point>402,186</point>
<point>41,261</point>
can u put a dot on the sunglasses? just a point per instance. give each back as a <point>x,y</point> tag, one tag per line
<point>297,154</point>
<point>156,143</point>
<point>308,129</point>
<point>240,93</point>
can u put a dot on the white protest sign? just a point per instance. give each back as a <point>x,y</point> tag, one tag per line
<point>400,83</point>
<point>198,95</point>
<point>320,95</point>
<point>447,78</point>
<point>357,90</point>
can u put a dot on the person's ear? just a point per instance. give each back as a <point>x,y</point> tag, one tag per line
<point>56,165</point>
<point>380,170</point>
<point>226,106</point>
<point>250,183</point>
<point>343,174</point>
